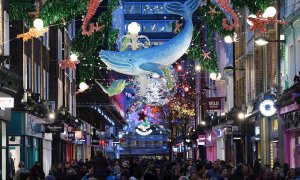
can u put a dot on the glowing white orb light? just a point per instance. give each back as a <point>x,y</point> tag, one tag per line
<point>250,22</point>
<point>267,108</point>
<point>269,12</point>
<point>134,28</point>
<point>83,86</point>
<point>213,76</point>
<point>228,39</point>
<point>38,24</point>
<point>74,57</point>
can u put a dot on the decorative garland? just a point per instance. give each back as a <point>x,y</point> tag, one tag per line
<point>52,11</point>
<point>214,21</point>
<point>87,47</point>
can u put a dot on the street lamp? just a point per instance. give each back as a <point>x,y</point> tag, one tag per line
<point>241,115</point>
<point>231,69</point>
<point>261,41</point>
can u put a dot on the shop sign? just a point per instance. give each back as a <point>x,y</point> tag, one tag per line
<point>201,140</point>
<point>219,133</point>
<point>213,103</point>
<point>95,140</point>
<point>54,128</point>
<point>257,130</point>
<point>78,134</point>
<point>71,135</point>
<point>6,102</point>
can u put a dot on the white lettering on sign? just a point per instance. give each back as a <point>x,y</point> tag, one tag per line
<point>6,102</point>
<point>214,103</point>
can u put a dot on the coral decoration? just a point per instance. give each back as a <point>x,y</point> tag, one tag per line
<point>68,63</point>
<point>225,5</point>
<point>178,27</point>
<point>259,22</point>
<point>32,33</point>
<point>212,11</point>
<point>91,10</point>
<point>205,55</point>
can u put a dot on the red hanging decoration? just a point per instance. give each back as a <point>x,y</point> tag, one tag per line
<point>260,22</point>
<point>225,4</point>
<point>68,63</point>
<point>91,10</point>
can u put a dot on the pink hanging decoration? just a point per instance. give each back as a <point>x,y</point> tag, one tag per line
<point>259,22</point>
<point>91,10</point>
<point>225,4</point>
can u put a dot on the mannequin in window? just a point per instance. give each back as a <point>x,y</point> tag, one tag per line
<point>11,167</point>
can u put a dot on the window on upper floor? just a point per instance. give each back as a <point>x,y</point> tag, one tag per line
<point>144,8</point>
<point>132,8</point>
<point>46,39</point>
<point>153,8</point>
<point>154,26</point>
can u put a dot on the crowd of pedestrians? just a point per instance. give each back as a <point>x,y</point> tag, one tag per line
<point>101,168</point>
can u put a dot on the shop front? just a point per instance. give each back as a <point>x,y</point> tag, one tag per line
<point>26,139</point>
<point>292,138</point>
<point>211,145</point>
<point>6,103</point>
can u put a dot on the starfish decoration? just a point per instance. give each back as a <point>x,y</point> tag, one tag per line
<point>68,63</point>
<point>142,115</point>
<point>205,55</point>
<point>212,11</point>
<point>178,27</point>
<point>32,33</point>
<point>259,23</point>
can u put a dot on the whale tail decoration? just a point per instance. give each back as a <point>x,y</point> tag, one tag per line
<point>186,10</point>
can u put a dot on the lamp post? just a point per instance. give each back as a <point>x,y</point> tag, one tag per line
<point>262,41</point>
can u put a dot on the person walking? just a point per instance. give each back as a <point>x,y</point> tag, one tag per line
<point>100,166</point>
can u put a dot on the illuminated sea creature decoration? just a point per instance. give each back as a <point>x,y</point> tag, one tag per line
<point>259,22</point>
<point>68,63</point>
<point>229,12</point>
<point>212,11</point>
<point>115,88</point>
<point>32,33</point>
<point>91,10</point>
<point>205,55</point>
<point>154,60</point>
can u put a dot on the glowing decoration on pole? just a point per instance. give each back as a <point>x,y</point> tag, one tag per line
<point>91,9</point>
<point>267,107</point>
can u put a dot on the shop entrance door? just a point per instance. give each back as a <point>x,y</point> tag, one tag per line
<point>297,156</point>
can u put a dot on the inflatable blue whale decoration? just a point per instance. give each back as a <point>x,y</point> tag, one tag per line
<point>152,60</point>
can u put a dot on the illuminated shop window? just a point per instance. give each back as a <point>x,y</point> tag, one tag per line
<point>155,8</point>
